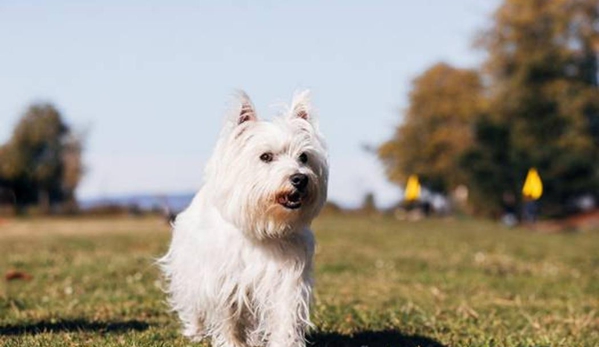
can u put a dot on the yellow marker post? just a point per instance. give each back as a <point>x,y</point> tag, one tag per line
<point>533,186</point>
<point>412,192</point>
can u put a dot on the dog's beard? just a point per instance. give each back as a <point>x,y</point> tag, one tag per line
<point>271,215</point>
<point>280,214</point>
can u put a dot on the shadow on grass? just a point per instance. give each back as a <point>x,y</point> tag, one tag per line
<point>72,326</point>
<point>386,338</point>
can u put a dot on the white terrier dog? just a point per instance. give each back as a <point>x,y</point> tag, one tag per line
<point>240,262</point>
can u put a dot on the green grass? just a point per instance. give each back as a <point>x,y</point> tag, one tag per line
<point>380,282</point>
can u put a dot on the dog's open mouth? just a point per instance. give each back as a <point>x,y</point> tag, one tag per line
<point>291,200</point>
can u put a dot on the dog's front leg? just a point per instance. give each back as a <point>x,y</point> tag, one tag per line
<point>231,332</point>
<point>290,316</point>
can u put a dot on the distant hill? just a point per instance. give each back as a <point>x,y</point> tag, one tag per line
<point>176,202</point>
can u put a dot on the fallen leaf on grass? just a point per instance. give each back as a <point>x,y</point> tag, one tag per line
<point>12,275</point>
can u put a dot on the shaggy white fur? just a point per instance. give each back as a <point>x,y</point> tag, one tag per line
<point>240,262</point>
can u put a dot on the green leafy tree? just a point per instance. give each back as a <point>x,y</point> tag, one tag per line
<point>73,170</point>
<point>437,128</point>
<point>542,72</point>
<point>485,163</point>
<point>41,163</point>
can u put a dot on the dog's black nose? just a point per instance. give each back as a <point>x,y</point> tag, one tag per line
<point>299,181</point>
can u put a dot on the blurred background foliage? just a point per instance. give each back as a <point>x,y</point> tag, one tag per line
<point>533,103</point>
<point>41,163</point>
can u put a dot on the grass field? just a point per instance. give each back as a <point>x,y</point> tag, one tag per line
<point>380,282</point>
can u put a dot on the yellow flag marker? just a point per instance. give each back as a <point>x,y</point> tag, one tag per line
<point>533,187</point>
<point>412,189</point>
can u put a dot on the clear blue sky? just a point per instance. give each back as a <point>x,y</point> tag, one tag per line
<point>150,80</point>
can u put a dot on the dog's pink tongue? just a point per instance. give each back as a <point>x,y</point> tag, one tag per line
<point>282,199</point>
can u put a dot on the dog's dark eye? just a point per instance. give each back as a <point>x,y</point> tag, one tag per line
<point>266,157</point>
<point>303,158</point>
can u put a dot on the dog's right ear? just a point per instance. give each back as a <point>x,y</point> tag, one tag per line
<point>301,107</point>
<point>246,111</point>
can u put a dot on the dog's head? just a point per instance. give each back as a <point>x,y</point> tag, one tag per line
<point>269,178</point>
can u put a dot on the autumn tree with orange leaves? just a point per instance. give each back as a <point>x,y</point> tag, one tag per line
<point>437,128</point>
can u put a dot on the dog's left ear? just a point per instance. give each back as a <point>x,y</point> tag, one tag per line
<point>247,112</point>
<point>301,106</point>
<point>242,112</point>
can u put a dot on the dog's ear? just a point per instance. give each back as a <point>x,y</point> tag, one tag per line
<point>245,112</point>
<point>301,106</point>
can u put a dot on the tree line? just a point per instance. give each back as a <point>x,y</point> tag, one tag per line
<point>41,163</point>
<point>534,102</point>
